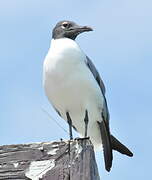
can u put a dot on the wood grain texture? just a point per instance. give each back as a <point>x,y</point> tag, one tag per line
<point>63,160</point>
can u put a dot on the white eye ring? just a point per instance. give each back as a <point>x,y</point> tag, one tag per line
<point>65,24</point>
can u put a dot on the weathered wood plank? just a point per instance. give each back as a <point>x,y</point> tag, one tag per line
<point>62,160</point>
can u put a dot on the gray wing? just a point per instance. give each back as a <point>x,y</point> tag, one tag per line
<point>104,125</point>
<point>96,75</point>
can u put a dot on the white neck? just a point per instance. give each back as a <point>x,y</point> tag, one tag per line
<point>64,45</point>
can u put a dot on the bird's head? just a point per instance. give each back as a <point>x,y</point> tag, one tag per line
<point>68,29</point>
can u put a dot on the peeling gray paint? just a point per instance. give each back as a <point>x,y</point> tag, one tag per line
<point>53,151</point>
<point>78,149</point>
<point>38,168</point>
<point>15,165</point>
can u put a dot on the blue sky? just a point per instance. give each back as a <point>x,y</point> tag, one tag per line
<point>121,48</point>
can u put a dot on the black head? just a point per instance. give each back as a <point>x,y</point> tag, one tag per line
<point>68,29</point>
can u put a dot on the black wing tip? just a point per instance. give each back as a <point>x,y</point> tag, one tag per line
<point>118,146</point>
<point>130,154</point>
<point>108,168</point>
<point>108,163</point>
<point>127,152</point>
<point>106,142</point>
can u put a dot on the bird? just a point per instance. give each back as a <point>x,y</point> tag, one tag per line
<point>75,89</point>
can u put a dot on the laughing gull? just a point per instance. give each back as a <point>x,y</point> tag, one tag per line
<point>76,90</point>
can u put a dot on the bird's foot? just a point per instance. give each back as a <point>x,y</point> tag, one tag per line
<point>79,139</point>
<point>83,140</point>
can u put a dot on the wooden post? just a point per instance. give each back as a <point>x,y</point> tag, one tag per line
<point>64,160</point>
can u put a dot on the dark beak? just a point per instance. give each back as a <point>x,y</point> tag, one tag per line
<point>81,29</point>
<point>85,28</point>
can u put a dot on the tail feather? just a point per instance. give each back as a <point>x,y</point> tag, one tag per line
<point>118,146</point>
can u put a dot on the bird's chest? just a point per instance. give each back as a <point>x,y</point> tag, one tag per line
<point>65,79</point>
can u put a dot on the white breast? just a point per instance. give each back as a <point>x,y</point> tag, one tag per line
<point>70,86</point>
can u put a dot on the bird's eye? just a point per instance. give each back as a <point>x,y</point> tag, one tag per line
<point>65,25</point>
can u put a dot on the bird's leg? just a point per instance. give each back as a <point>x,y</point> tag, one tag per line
<point>70,125</point>
<point>86,120</point>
